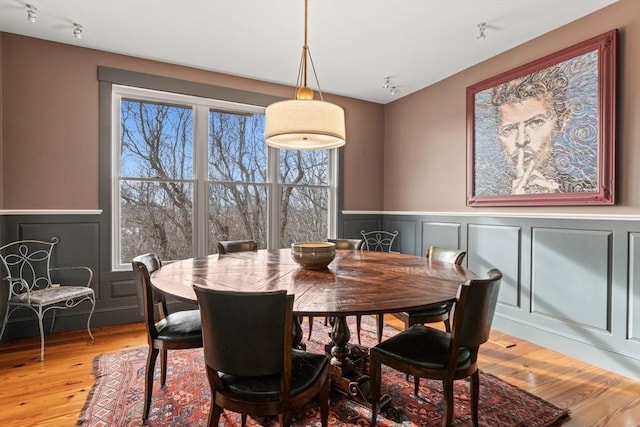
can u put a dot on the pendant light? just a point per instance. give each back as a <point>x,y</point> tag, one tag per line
<point>304,123</point>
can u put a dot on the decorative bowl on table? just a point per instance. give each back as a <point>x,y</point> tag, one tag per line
<point>313,255</point>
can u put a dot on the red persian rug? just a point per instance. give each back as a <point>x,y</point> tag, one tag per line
<point>117,397</point>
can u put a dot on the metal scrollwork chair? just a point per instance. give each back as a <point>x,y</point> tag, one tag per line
<point>27,265</point>
<point>442,312</point>
<point>250,363</point>
<point>377,241</point>
<point>427,352</point>
<point>171,331</point>
<point>230,246</point>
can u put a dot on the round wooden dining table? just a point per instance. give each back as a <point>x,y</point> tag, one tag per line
<point>356,282</point>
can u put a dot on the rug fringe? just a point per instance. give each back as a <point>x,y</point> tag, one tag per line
<point>96,370</point>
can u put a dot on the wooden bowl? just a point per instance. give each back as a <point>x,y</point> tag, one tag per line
<point>313,255</point>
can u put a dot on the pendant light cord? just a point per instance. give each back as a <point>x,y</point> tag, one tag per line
<point>305,47</point>
<point>306,52</point>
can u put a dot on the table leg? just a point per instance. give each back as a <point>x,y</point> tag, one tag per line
<point>297,334</point>
<point>350,366</point>
<point>340,338</point>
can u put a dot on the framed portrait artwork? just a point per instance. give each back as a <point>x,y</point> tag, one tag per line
<point>544,133</point>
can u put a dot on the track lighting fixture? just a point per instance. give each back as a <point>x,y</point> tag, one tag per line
<point>389,86</point>
<point>77,31</point>
<point>481,29</point>
<point>31,13</point>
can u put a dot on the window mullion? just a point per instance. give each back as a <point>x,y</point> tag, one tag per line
<point>273,197</point>
<point>332,208</point>
<point>115,182</point>
<point>201,172</point>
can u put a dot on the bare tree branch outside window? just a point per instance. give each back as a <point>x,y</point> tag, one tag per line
<point>158,183</point>
<point>156,204</point>
<point>238,170</point>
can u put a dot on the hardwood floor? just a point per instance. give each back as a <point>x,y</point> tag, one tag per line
<point>53,392</point>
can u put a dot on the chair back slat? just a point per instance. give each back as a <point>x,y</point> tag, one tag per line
<point>28,261</point>
<point>230,246</point>
<point>450,256</point>
<point>148,299</point>
<point>477,304</point>
<point>244,332</point>
<point>350,244</point>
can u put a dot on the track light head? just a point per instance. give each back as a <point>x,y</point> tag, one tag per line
<point>31,13</point>
<point>77,31</point>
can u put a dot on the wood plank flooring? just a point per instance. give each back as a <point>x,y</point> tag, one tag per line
<point>53,392</point>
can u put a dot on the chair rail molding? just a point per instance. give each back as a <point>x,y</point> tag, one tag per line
<point>50,212</point>
<point>551,215</point>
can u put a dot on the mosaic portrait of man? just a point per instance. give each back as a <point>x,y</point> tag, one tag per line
<point>539,133</point>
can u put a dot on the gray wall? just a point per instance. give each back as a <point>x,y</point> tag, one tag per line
<point>570,284</point>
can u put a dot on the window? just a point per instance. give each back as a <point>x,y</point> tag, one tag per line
<point>190,171</point>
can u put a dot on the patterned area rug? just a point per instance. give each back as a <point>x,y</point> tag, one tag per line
<point>117,397</point>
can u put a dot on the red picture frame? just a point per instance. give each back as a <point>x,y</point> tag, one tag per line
<point>544,133</point>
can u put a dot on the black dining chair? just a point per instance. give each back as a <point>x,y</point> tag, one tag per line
<point>442,312</point>
<point>166,331</point>
<point>250,363</point>
<point>428,352</point>
<point>349,244</point>
<point>230,246</point>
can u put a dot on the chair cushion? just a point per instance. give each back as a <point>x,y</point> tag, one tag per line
<point>421,346</point>
<point>180,326</point>
<point>431,311</point>
<point>305,369</point>
<point>48,296</point>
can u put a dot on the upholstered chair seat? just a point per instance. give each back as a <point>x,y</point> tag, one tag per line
<point>180,326</point>
<point>423,347</point>
<point>306,369</point>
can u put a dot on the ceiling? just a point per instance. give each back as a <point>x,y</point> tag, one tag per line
<point>354,44</point>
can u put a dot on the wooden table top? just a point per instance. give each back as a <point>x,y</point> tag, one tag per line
<point>356,282</point>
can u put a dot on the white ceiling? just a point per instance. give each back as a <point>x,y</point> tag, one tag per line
<point>354,43</point>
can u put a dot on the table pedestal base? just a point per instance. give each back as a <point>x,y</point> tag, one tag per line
<point>350,376</point>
